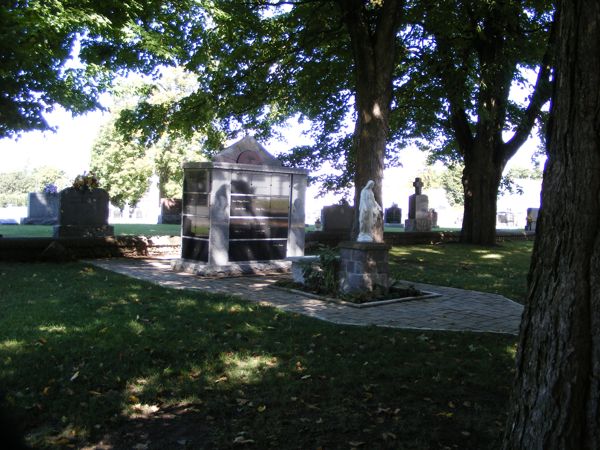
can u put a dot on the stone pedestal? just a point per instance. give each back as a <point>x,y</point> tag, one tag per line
<point>363,266</point>
<point>83,213</point>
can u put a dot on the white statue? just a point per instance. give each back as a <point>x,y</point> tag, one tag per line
<point>369,211</point>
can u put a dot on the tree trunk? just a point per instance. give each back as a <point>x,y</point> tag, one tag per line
<point>556,398</point>
<point>374,48</point>
<point>481,180</point>
<point>370,135</point>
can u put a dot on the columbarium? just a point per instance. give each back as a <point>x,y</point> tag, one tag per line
<point>241,208</point>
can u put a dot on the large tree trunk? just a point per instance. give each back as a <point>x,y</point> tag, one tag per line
<point>556,399</point>
<point>374,47</point>
<point>481,180</point>
<point>370,136</point>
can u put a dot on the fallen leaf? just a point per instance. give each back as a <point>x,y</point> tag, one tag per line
<point>74,376</point>
<point>356,443</point>
<point>387,435</point>
<point>261,408</point>
<point>243,440</point>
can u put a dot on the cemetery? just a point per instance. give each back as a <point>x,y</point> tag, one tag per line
<point>248,218</point>
<point>299,225</point>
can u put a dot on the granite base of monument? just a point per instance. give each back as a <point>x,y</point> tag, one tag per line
<point>363,266</point>
<point>417,225</point>
<point>72,231</point>
<point>231,269</point>
<point>83,213</point>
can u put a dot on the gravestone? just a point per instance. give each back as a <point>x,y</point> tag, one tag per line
<point>337,218</point>
<point>392,216</point>
<point>83,213</point>
<point>418,210</point>
<point>532,218</point>
<point>244,206</point>
<point>433,216</point>
<point>42,209</point>
<point>170,210</point>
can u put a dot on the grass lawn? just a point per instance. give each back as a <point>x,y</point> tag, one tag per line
<point>501,269</point>
<point>120,229</point>
<point>87,355</point>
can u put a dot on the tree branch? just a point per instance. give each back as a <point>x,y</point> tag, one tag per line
<point>541,94</point>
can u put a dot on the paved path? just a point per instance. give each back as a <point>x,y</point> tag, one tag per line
<point>454,309</point>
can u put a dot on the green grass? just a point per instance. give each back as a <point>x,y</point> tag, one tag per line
<point>120,229</point>
<point>82,351</point>
<point>501,269</point>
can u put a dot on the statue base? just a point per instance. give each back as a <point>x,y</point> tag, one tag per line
<point>363,267</point>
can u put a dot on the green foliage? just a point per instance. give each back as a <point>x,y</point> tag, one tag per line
<point>452,183</point>
<point>12,200</point>
<point>525,173</point>
<point>322,277</point>
<point>125,162</point>
<point>19,182</point>
<point>14,186</point>
<point>68,51</point>
<point>122,168</point>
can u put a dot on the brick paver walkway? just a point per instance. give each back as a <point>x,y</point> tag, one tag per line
<point>454,309</point>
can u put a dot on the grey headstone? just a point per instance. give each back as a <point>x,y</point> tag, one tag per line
<point>42,209</point>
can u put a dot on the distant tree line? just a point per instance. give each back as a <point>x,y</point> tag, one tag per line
<point>14,186</point>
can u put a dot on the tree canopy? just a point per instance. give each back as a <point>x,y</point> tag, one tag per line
<point>125,164</point>
<point>437,72</point>
<point>68,51</point>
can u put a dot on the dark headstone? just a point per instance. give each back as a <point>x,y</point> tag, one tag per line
<point>83,213</point>
<point>337,218</point>
<point>393,215</point>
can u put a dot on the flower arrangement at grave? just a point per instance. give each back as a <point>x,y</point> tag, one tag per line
<point>85,182</point>
<point>50,188</point>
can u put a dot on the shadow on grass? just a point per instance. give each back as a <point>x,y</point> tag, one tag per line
<point>88,356</point>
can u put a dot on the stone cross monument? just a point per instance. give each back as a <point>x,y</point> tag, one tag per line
<point>418,210</point>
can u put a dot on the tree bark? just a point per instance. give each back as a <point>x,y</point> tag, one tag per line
<point>481,180</point>
<point>374,47</point>
<point>556,398</point>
